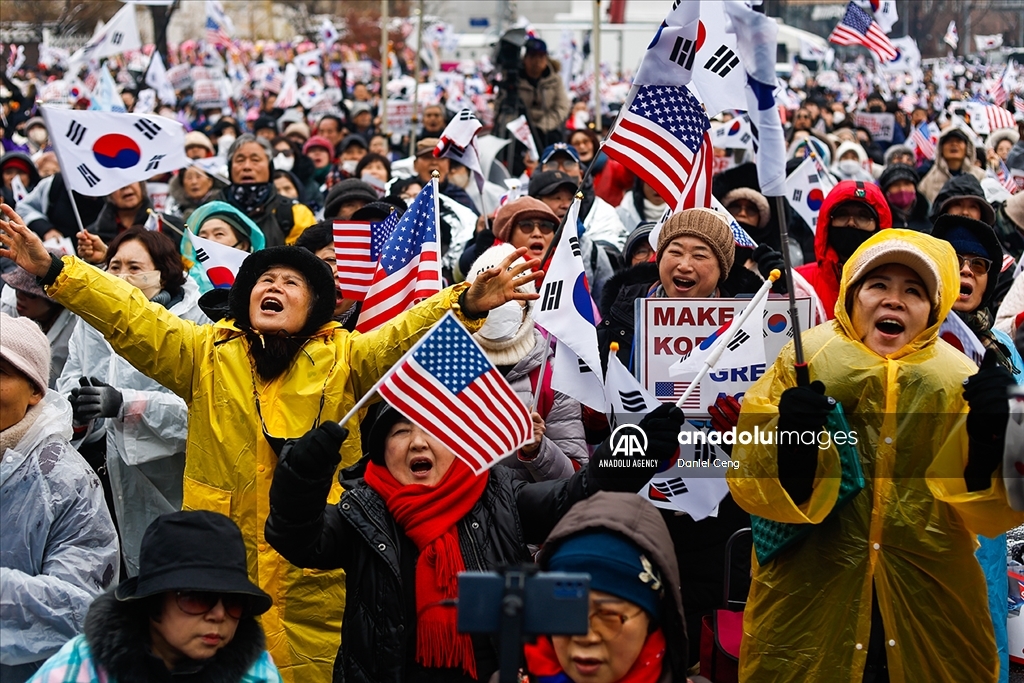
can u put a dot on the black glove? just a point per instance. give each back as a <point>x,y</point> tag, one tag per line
<point>94,399</point>
<point>987,396</point>
<point>801,410</point>
<point>662,426</point>
<point>767,260</point>
<point>317,453</point>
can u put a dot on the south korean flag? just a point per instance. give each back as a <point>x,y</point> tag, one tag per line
<point>718,76</point>
<point>671,57</point>
<point>100,152</point>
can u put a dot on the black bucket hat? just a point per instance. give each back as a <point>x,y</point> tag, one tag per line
<point>195,550</point>
<point>316,272</point>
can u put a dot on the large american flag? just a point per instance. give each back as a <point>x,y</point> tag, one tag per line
<point>357,247</point>
<point>859,28</point>
<point>448,387</point>
<point>409,266</point>
<point>663,137</point>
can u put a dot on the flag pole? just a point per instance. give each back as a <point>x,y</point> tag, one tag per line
<point>727,336</point>
<point>803,377</point>
<point>64,168</point>
<point>543,370</point>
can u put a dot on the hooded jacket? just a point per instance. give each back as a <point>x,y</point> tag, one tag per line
<point>940,173</point>
<point>116,649</point>
<point>640,522</point>
<point>823,274</point>
<point>196,219</point>
<point>909,533</point>
<point>59,543</point>
<point>146,439</point>
<point>281,219</point>
<point>229,465</point>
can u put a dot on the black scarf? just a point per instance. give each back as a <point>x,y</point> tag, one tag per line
<point>273,354</point>
<point>251,197</point>
<point>980,322</point>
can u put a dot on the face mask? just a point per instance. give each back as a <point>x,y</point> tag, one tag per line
<point>838,117</point>
<point>503,322</point>
<point>902,200</point>
<point>849,167</point>
<point>148,282</point>
<point>213,118</point>
<point>251,197</point>
<point>349,166</point>
<point>876,109</point>
<point>37,135</point>
<point>462,179</point>
<point>846,240</point>
<point>283,163</point>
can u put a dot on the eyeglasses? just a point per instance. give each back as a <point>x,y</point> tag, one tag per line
<point>527,227</point>
<point>564,165</point>
<point>845,220</point>
<point>979,265</point>
<point>608,624</point>
<point>201,602</point>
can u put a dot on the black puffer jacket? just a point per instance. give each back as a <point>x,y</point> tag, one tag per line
<point>360,535</point>
<point>617,312</point>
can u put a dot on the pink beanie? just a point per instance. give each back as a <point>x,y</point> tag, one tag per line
<point>23,345</point>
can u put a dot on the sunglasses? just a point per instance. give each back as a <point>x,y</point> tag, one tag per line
<point>546,227</point>
<point>979,265</point>
<point>201,602</point>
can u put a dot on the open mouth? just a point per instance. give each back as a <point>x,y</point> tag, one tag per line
<point>271,305</point>
<point>683,283</point>
<point>537,247</point>
<point>587,665</point>
<point>421,465</point>
<point>966,289</point>
<point>890,327</point>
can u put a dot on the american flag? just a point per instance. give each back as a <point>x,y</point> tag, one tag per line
<point>671,391</point>
<point>921,139</point>
<point>357,246</point>
<point>409,265</point>
<point>663,137</point>
<point>858,28</point>
<point>218,25</point>
<point>1005,179</point>
<point>448,387</point>
<point>998,117</point>
<point>1018,104</point>
<point>998,91</point>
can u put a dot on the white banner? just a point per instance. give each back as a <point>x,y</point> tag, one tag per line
<point>880,125</point>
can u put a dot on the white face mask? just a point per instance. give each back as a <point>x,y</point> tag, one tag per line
<point>849,167</point>
<point>349,166</point>
<point>37,135</point>
<point>283,163</point>
<point>838,117</point>
<point>503,322</point>
<point>460,179</point>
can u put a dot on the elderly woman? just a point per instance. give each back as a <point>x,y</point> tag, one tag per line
<point>403,533</point>
<point>189,189</point>
<point>252,192</point>
<point>190,614</point>
<point>145,425</point>
<point>929,448</point>
<point>224,224</point>
<point>277,366</point>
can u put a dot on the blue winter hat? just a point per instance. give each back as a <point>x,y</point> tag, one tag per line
<point>965,242</point>
<point>616,566</point>
<point>536,46</point>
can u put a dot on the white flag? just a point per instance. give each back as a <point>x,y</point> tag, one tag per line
<point>520,128</point>
<point>671,56</point>
<point>951,38</point>
<point>458,142</point>
<point>308,63</point>
<point>956,333</point>
<point>18,189</point>
<point>328,33</point>
<point>289,95</point>
<point>734,134</point>
<point>573,377</point>
<point>101,152</point>
<point>698,486</point>
<point>811,51</point>
<point>806,188</point>
<point>985,43</point>
<point>310,92</point>
<point>718,75</point>
<point>120,34</point>
<point>626,397</point>
<point>745,348</point>
<point>565,308</point>
<point>218,261</point>
<point>156,78</point>
<point>106,97</point>
<point>883,12</point>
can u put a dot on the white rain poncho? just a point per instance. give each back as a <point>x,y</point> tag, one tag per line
<point>59,547</point>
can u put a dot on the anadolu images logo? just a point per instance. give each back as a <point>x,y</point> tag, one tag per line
<point>629,440</point>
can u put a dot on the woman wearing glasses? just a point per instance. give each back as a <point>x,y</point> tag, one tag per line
<point>190,614</point>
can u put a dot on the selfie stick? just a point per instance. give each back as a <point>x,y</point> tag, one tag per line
<point>727,336</point>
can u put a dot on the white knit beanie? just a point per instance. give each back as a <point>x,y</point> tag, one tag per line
<point>23,345</point>
<point>508,351</point>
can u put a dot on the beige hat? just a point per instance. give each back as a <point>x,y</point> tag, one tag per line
<point>894,250</point>
<point>297,128</point>
<point>426,146</point>
<point>1015,209</point>
<point>196,139</point>
<point>753,196</point>
<point>23,345</point>
<point>706,225</point>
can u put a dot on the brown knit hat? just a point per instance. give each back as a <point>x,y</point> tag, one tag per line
<point>525,207</point>
<point>706,225</point>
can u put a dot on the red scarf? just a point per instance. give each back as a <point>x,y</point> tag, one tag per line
<point>542,662</point>
<point>428,515</point>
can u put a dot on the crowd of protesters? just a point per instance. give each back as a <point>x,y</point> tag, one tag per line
<point>178,500</point>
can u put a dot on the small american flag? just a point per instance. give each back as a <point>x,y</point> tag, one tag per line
<point>671,391</point>
<point>1018,104</point>
<point>357,246</point>
<point>218,25</point>
<point>448,387</point>
<point>998,117</point>
<point>663,137</point>
<point>409,266</point>
<point>1005,179</point>
<point>921,139</point>
<point>858,28</point>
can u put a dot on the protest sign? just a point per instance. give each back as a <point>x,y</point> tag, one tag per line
<point>399,117</point>
<point>880,125</point>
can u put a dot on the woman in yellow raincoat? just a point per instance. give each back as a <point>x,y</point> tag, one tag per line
<point>893,571</point>
<point>277,367</point>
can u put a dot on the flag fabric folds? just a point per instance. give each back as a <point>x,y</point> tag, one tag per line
<point>670,57</point>
<point>745,348</point>
<point>409,266</point>
<point>458,142</point>
<point>447,386</point>
<point>857,27</point>
<point>357,248</point>
<point>952,38</point>
<point>923,141</point>
<point>100,152</point>
<point>219,261</point>
<point>218,24</point>
<point>662,136</point>
<point>120,34</point>
<point>626,397</point>
<point>806,188</point>
<point>156,78</point>
<point>573,377</point>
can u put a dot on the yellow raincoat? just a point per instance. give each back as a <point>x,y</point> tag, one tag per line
<point>229,465</point>
<point>909,531</point>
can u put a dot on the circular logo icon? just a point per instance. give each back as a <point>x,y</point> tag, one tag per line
<point>114,150</point>
<point>581,299</point>
<point>777,322</point>
<point>220,277</point>
<point>735,127</point>
<point>629,440</point>
<point>814,199</point>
